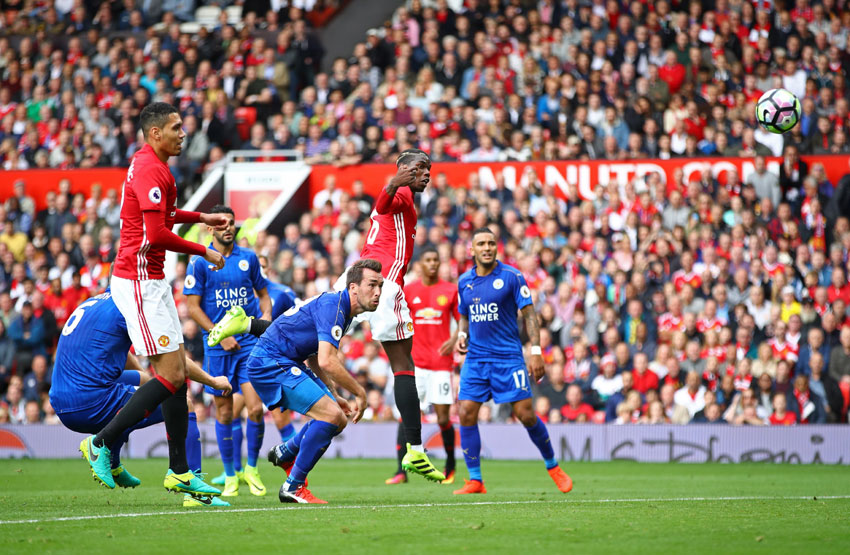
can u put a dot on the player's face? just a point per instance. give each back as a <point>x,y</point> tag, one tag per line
<point>423,174</point>
<point>172,135</point>
<point>484,249</point>
<point>226,236</point>
<point>430,264</point>
<point>369,290</point>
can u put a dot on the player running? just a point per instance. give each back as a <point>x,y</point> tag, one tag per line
<point>390,242</point>
<point>490,295</point>
<point>209,295</point>
<point>144,297</point>
<point>310,331</point>
<point>433,303</point>
<point>90,385</point>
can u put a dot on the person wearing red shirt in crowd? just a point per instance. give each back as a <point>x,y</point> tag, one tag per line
<point>686,274</point>
<point>839,288</point>
<point>671,322</point>
<point>781,347</point>
<point>433,303</point>
<point>576,410</point>
<point>781,416</point>
<point>144,297</point>
<point>76,293</point>
<point>644,378</point>
<point>672,72</point>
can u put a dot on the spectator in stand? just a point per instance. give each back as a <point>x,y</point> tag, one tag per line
<point>576,410</point>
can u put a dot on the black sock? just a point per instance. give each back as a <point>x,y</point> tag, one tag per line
<point>257,326</point>
<point>143,402</point>
<point>448,434</point>
<point>400,447</point>
<point>176,427</point>
<point>407,401</point>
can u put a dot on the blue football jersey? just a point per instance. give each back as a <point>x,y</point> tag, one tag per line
<point>490,303</point>
<point>233,285</point>
<point>296,334</point>
<point>283,298</point>
<point>91,354</point>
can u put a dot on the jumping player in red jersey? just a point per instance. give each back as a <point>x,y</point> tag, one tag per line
<point>433,303</point>
<point>390,241</point>
<point>144,298</point>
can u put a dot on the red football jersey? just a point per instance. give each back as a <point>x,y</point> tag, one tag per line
<point>680,278</point>
<point>390,239</point>
<point>433,308</point>
<point>149,186</point>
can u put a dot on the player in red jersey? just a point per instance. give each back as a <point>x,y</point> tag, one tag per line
<point>390,242</point>
<point>144,297</point>
<point>433,303</point>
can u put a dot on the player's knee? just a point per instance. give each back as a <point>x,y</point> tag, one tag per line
<point>442,420</point>
<point>224,415</point>
<point>255,413</point>
<point>338,419</point>
<point>528,418</point>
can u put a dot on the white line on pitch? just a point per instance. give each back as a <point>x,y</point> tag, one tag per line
<point>429,505</point>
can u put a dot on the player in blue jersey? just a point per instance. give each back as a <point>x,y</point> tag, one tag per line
<point>94,377</point>
<point>209,294</point>
<point>490,294</point>
<point>308,332</point>
<point>283,298</point>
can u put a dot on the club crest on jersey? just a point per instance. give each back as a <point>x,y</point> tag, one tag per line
<point>189,282</point>
<point>243,265</point>
<point>525,291</point>
<point>442,300</point>
<point>155,195</point>
<point>295,371</point>
<point>498,284</point>
<point>336,332</point>
<point>163,341</point>
<point>410,327</point>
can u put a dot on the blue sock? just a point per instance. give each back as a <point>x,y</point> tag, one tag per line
<point>540,436</point>
<point>293,445</point>
<point>224,436</point>
<point>316,440</point>
<point>287,432</point>
<point>254,432</point>
<point>193,444</point>
<point>237,444</point>
<point>470,443</point>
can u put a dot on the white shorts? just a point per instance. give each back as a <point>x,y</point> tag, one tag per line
<point>151,315</point>
<point>434,387</point>
<point>391,321</point>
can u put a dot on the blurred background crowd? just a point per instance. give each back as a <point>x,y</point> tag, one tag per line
<point>720,301</point>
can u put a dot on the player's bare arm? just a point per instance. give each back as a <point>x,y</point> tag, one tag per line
<point>313,363</point>
<point>449,344</point>
<point>196,373</point>
<point>462,334</point>
<point>328,361</point>
<point>265,303</point>
<point>532,327</point>
<point>193,302</point>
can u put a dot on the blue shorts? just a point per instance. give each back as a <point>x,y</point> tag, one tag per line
<point>285,383</point>
<point>232,365</point>
<point>503,381</point>
<point>94,417</point>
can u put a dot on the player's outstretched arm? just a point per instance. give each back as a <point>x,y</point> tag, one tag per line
<point>160,236</point>
<point>328,359</point>
<point>197,374</point>
<point>532,326</point>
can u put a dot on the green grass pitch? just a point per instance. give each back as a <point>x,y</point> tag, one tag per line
<point>53,506</point>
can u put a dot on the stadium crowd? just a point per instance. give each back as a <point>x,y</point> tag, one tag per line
<point>680,302</point>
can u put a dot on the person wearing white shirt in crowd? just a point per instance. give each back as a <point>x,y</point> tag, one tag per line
<point>692,396</point>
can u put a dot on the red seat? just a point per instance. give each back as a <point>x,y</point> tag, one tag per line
<point>246,116</point>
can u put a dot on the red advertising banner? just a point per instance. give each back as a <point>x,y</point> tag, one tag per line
<point>39,182</point>
<point>586,175</point>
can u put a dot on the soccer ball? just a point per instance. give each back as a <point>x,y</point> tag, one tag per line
<point>778,110</point>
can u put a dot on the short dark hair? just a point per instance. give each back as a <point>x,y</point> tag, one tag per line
<point>429,250</point>
<point>222,209</point>
<point>355,273</point>
<point>409,155</point>
<point>483,230</point>
<point>155,115</point>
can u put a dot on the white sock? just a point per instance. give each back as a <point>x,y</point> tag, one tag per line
<point>417,447</point>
